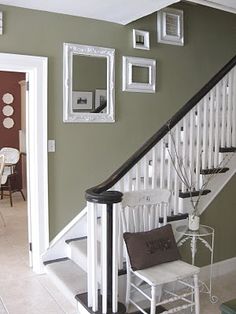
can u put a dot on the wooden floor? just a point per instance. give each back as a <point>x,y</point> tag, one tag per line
<point>23,292</point>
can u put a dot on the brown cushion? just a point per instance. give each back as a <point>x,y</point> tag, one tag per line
<point>150,248</point>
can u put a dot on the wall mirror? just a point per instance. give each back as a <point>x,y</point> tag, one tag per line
<point>88,84</point>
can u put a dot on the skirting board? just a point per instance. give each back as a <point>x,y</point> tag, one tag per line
<point>219,269</point>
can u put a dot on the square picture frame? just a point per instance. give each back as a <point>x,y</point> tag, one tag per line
<point>129,84</point>
<point>101,100</point>
<point>170,26</point>
<point>82,101</point>
<point>141,39</point>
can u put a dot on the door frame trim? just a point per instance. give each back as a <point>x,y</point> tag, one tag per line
<point>36,147</point>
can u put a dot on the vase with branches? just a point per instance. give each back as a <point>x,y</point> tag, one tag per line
<point>185,174</point>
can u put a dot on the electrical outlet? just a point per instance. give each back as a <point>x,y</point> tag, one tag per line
<point>51,146</point>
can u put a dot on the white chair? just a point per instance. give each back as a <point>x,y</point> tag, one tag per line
<point>11,156</point>
<point>143,211</point>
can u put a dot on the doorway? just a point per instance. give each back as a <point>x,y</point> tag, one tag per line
<point>36,147</point>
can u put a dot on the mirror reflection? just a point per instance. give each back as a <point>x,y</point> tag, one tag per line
<point>89,84</point>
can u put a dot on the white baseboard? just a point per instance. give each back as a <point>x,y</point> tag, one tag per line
<point>219,269</point>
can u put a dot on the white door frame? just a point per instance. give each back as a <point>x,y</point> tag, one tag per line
<point>36,147</point>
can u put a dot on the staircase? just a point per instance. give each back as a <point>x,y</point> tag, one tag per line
<point>86,260</point>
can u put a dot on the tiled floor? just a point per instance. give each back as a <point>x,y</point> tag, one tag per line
<point>23,292</point>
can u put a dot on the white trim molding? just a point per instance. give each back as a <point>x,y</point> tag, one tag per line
<point>129,84</point>
<point>36,146</point>
<point>220,5</point>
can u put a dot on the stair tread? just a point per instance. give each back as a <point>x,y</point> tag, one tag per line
<point>79,252</point>
<point>227,150</point>
<point>214,170</point>
<point>68,275</point>
<point>80,244</point>
<point>194,193</point>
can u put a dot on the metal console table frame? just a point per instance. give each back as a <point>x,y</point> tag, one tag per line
<point>199,235</point>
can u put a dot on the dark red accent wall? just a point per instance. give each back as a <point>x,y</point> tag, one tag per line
<point>9,83</point>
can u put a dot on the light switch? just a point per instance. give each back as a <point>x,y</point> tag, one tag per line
<point>51,146</point>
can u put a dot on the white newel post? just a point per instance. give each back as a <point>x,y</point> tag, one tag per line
<point>103,272</point>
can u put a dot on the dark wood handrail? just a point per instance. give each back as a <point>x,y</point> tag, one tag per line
<point>98,193</point>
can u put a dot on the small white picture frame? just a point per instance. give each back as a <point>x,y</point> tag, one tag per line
<point>129,84</point>
<point>170,26</point>
<point>82,101</point>
<point>141,39</point>
<point>101,100</point>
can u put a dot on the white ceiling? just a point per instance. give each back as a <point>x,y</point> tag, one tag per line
<point>117,11</point>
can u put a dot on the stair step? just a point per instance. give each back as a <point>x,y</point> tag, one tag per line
<point>55,261</point>
<point>194,193</point>
<point>79,252</point>
<point>227,149</point>
<point>75,239</point>
<point>175,217</point>
<point>83,299</point>
<point>68,277</point>
<point>213,170</point>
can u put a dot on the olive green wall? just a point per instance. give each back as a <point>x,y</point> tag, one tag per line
<point>87,153</point>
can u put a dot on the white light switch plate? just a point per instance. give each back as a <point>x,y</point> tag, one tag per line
<point>51,146</point>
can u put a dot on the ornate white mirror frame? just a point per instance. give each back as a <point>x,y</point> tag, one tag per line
<point>70,50</point>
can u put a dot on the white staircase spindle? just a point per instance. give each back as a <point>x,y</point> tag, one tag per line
<point>104,258</point>
<point>211,130</point>
<point>217,125</point>
<point>145,172</point>
<point>137,176</point>
<point>205,132</point>
<point>191,148</point>
<point>89,277</point>
<point>229,111</point>
<point>176,176</point>
<point>223,112</point>
<point>162,163</point>
<point>198,144</point>
<point>115,258</point>
<point>128,182</point>
<point>154,168</point>
<point>121,242</point>
<point>170,166</point>
<point>185,132</point>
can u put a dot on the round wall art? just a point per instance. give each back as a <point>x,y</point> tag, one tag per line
<point>7,98</point>
<point>8,123</point>
<point>8,110</point>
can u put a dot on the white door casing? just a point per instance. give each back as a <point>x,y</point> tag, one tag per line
<point>36,147</point>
